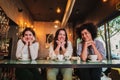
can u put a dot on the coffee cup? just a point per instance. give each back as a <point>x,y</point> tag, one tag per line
<point>60,57</point>
<point>93,57</point>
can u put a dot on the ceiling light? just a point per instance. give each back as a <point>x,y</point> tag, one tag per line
<point>104,0</point>
<point>56,21</point>
<point>55,26</point>
<point>32,26</point>
<point>58,10</point>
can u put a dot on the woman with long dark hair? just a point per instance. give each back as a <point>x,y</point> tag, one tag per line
<point>60,46</point>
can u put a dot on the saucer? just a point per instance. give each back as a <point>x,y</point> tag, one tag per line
<point>93,61</point>
<point>60,60</point>
<point>24,59</point>
<point>75,58</point>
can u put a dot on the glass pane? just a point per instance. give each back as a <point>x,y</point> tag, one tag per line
<point>115,37</point>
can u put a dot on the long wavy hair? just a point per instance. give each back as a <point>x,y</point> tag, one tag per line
<point>56,38</point>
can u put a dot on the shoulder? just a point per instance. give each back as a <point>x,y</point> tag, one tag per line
<point>79,43</point>
<point>51,44</point>
<point>36,43</point>
<point>98,42</point>
<point>20,41</point>
<point>69,42</point>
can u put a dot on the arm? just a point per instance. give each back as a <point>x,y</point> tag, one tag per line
<point>57,50</point>
<point>100,50</point>
<point>84,54</point>
<point>66,52</point>
<point>52,54</point>
<point>21,48</point>
<point>69,50</point>
<point>34,50</point>
<point>96,51</point>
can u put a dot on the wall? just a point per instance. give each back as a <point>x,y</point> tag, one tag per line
<point>11,9</point>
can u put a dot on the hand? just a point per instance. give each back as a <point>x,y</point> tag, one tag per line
<point>25,40</point>
<point>89,43</point>
<point>33,39</point>
<point>58,43</point>
<point>62,44</point>
<point>92,43</point>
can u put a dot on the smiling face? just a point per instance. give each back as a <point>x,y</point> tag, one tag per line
<point>61,36</point>
<point>28,35</point>
<point>86,35</point>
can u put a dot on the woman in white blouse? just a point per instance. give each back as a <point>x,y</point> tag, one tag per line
<point>62,46</point>
<point>27,49</point>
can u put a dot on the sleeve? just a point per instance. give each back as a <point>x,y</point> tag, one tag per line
<point>52,55</point>
<point>21,48</point>
<point>69,50</point>
<point>34,50</point>
<point>101,49</point>
<point>79,49</point>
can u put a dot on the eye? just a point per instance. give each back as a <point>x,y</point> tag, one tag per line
<point>25,35</point>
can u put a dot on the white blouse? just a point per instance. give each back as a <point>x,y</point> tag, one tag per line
<point>68,52</point>
<point>22,50</point>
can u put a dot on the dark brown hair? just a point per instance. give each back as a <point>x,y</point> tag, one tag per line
<point>28,29</point>
<point>56,37</point>
<point>90,27</point>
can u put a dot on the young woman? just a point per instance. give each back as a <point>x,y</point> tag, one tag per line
<point>27,49</point>
<point>62,46</point>
<point>27,46</point>
<point>88,32</point>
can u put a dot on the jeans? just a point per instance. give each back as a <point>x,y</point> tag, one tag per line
<point>52,73</point>
<point>89,73</point>
<point>28,74</point>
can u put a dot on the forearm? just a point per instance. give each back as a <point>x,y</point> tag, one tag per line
<point>21,50</point>
<point>84,56</point>
<point>34,50</point>
<point>63,50</point>
<point>57,50</point>
<point>100,57</point>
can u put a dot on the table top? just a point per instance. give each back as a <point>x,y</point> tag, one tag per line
<point>59,64</point>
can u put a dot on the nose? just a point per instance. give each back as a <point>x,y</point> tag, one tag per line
<point>83,35</point>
